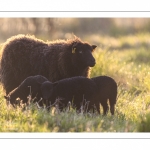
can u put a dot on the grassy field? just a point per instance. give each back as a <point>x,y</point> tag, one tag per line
<point>127,60</point>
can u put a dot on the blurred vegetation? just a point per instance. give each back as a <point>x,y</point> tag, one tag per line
<point>55,28</point>
<point>144,124</point>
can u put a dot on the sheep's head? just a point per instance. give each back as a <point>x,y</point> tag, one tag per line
<point>82,54</point>
<point>46,90</point>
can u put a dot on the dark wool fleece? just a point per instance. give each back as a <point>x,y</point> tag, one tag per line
<point>74,89</point>
<point>24,55</point>
<point>31,85</point>
<point>106,90</point>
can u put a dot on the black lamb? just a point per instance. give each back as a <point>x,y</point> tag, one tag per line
<point>75,90</point>
<point>106,90</point>
<point>30,86</point>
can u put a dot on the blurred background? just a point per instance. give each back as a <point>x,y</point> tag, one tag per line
<point>58,28</point>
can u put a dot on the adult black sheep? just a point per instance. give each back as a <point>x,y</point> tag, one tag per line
<point>75,90</point>
<point>24,56</point>
<point>30,86</point>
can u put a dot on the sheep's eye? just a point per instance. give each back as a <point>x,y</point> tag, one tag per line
<point>80,52</point>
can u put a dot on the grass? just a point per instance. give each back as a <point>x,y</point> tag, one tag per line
<point>126,59</point>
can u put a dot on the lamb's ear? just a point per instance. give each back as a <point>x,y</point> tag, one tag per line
<point>94,46</point>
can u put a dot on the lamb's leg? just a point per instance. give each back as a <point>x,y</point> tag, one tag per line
<point>90,107</point>
<point>77,102</point>
<point>97,105</point>
<point>112,109</point>
<point>105,107</point>
<point>112,101</point>
<point>62,102</point>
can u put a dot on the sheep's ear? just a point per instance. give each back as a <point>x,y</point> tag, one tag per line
<point>73,50</point>
<point>93,47</point>
<point>74,47</point>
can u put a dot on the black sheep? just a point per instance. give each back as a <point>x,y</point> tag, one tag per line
<point>24,56</point>
<point>30,86</point>
<point>106,89</point>
<point>74,89</point>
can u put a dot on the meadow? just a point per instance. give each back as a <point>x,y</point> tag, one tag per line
<point>127,60</point>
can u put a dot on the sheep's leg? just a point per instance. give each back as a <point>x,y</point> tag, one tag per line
<point>63,102</point>
<point>112,109</point>
<point>105,107</point>
<point>112,102</point>
<point>78,102</point>
<point>97,105</point>
<point>90,107</point>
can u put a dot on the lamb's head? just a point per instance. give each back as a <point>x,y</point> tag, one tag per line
<point>82,54</point>
<point>47,90</point>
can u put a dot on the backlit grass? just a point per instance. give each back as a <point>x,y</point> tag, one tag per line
<point>127,60</point>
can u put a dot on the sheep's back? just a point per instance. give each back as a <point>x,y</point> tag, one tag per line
<point>75,86</point>
<point>104,81</point>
